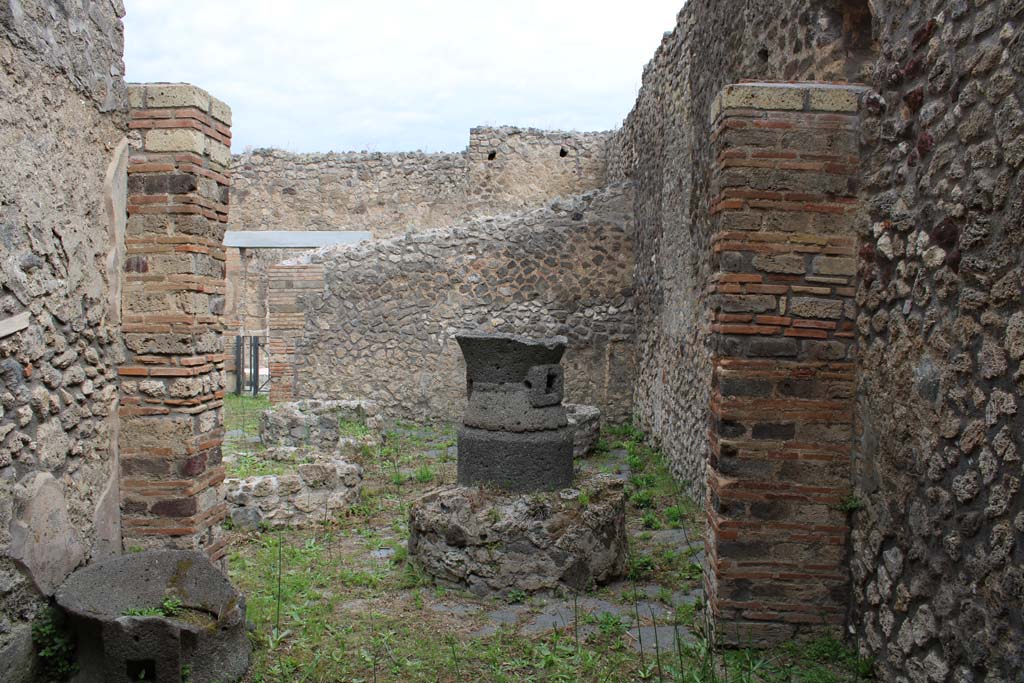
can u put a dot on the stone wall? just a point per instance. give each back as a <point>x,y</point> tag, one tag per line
<point>665,148</point>
<point>502,170</point>
<point>937,539</point>
<point>378,320</point>
<point>938,548</point>
<point>62,187</point>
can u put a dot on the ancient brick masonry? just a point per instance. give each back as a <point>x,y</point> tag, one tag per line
<point>782,289</point>
<point>288,283</point>
<point>172,303</point>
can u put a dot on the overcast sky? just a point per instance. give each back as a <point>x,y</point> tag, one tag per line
<point>393,75</point>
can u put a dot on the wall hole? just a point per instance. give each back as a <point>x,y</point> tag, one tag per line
<point>563,152</point>
<point>491,155</point>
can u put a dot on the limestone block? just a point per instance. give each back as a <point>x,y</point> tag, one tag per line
<point>43,540</point>
<point>220,111</point>
<point>219,152</point>
<point>137,96</point>
<point>835,265</point>
<point>175,140</point>
<point>814,307</point>
<point>763,96</point>
<point>835,98</point>
<point>176,95</point>
<point>780,263</point>
<point>53,444</point>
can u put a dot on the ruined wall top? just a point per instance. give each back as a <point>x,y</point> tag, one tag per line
<point>502,170</point>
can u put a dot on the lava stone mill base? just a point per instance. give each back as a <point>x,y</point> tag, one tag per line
<point>514,434</point>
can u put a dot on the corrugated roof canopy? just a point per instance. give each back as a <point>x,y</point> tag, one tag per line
<point>292,239</point>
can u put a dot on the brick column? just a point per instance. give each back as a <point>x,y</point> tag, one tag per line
<point>172,306</point>
<point>783,312</point>
<point>287,321</point>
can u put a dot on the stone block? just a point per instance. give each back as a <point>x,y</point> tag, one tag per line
<point>136,96</point>
<point>220,111</point>
<point>746,303</point>
<point>160,95</point>
<point>816,307</point>
<point>172,432</point>
<point>768,96</point>
<point>219,153</point>
<point>834,265</point>
<point>175,140</point>
<point>773,347</point>
<point>835,98</point>
<point>792,264</point>
<point>43,540</point>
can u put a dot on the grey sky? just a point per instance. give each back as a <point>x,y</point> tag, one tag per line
<point>387,75</point>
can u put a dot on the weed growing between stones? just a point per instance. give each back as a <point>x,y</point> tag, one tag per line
<point>54,645</point>
<point>342,601</point>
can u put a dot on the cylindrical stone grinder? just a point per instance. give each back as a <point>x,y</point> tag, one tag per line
<point>514,434</point>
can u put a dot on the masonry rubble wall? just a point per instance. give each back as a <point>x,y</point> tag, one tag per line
<point>62,194</point>
<point>502,170</point>
<point>936,541</point>
<point>664,147</point>
<point>378,320</point>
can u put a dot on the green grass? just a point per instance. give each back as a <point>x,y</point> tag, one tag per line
<point>355,429</point>
<point>248,465</point>
<point>242,423</point>
<point>326,609</point>
<point>243,412</point>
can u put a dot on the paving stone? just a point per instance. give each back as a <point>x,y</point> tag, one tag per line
<point>661,639</point>
<point>554,617</point>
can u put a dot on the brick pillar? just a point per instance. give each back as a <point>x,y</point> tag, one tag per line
<point>287,321</point>
<point>784,219</point>
<point>172,305</point>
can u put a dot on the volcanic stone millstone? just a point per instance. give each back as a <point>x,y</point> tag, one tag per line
<point>515,435</point>
<point>496,542</point>
<point>116,648</point>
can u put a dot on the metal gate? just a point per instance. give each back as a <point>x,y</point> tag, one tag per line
<point>252,365</point>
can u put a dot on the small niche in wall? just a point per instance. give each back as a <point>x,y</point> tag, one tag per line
<point>858,31</point>
<point>491,155</point>
<point>563,152</point>
<point>857,26</point>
